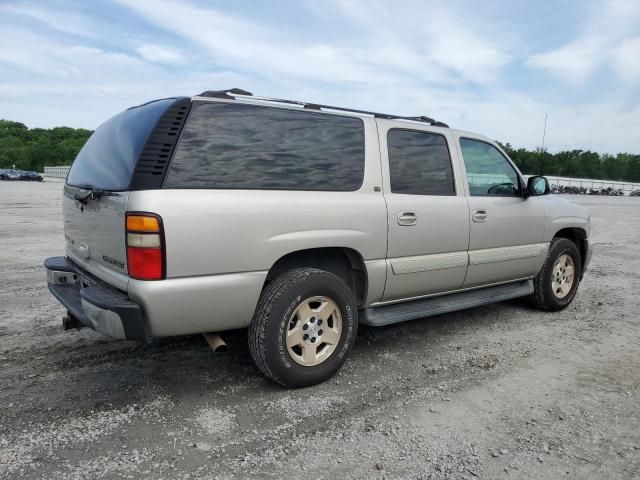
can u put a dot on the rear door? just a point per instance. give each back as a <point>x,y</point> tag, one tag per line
<point>94,225</point>
<point>506,229</point>
<point>428,216</point>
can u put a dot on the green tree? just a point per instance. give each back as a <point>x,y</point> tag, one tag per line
<point>32,149</point>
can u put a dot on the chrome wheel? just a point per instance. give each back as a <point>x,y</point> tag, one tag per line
<point>314,331</point>
<point>562,276</point>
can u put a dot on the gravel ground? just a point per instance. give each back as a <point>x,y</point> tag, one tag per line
<point>495,392</point>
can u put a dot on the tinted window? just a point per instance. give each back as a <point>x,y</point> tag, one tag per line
<point>109,157</point>
<point>488,171</point>
<point>419,163</point>
<point>248,147</point>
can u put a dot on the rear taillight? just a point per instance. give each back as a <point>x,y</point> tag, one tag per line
<point>145,246</point>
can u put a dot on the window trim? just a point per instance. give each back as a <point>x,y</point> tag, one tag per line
<point>509,162</point>
<point>200,103</point>
<point>446,142</point>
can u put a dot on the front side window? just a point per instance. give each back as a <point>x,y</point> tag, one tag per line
<point>419,163</point>
<point>235,146</point>
<point>488,171</point>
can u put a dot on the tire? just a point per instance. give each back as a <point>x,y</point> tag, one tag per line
<point>280,319</point>
<point>545,296</point>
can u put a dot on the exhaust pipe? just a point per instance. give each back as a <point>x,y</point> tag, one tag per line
<point>216,342</point>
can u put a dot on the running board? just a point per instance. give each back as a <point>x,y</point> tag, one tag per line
<point>401,312</point>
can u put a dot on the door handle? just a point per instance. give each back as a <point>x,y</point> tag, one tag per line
<point>479,216</point>
<point>407,219</point>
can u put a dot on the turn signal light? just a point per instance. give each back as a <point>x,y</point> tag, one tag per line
<point>145,246</point>
<point>142,223</point>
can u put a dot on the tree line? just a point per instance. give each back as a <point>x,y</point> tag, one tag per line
<point>33,148</point>
<point>576,163</point>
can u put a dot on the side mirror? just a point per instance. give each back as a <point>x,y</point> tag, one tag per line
<point>537,185</point>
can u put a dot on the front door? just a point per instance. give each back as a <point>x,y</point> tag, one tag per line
<point>427,213</point>
<point>506,229</point>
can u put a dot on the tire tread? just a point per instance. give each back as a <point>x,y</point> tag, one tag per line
<point>539,299</point>
<point>262,315</point>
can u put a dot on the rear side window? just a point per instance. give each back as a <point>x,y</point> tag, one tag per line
<point>253,147</point>
<point>419,163</point>
<point>109,157</point>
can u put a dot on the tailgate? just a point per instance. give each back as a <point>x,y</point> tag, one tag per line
<point>95,234</point>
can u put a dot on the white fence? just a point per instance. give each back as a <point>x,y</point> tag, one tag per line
<point>56,172</point>
<point>587,183</point>
<point>626,187</point>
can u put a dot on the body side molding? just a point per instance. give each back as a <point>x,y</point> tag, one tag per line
<point>426,263</point>
<point>490,255</point>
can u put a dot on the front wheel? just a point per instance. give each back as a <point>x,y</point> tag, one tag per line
<point>557,283</point>
<point>304,327</point>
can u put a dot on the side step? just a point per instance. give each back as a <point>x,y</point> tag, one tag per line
<point>401,312</point>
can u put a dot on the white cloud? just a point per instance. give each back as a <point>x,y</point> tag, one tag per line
<point>609,24</point>
<point>42,55</point>
<point>519,120</point>
<point>47,82</point>
<point>626,60</point>
<point>160,54</point>
<point>434,43</point>
<point>574,62</point>
<point>61,21</point>
<point>434,48</point>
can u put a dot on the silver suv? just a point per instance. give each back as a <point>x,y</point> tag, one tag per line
<point>297,220</point>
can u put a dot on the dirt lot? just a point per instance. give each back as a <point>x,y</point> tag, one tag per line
<point>494,392</point>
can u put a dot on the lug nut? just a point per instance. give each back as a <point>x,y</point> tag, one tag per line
<point>305,337</point>
<point>320,332</point>
<point>313,340</point>
<point>313,319</point>
<point>319,321</point>
<point>305,326</point>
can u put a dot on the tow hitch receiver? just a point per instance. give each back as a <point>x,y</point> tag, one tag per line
<point>70,322</point>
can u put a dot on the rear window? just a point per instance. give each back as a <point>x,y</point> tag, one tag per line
<point>227,146</point>
<point>109,157</point>
<point>419,163</point>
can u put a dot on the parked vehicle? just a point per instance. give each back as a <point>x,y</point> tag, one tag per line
<point>30,176</point>
<point>573,190</point>
<point>12,174</point>
<point>299,221</point>
<point>9,174</point>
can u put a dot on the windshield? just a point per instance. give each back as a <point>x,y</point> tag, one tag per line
<point>109,157</point>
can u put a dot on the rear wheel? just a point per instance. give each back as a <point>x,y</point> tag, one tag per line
<point>557,283</point>
<point>304,327</point>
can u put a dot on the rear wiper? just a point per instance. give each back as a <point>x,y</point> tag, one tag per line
<point>93,194</point>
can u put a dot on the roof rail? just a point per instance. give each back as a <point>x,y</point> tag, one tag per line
<point>232,93</point>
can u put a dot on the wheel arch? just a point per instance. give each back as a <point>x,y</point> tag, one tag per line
<point>344,262</point>
<point>579,237</point>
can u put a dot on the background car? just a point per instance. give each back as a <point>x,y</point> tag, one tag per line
<point>25,175</point>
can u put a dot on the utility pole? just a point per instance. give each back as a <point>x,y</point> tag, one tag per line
<point>544,131</point>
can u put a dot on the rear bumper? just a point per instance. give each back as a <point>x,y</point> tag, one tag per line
<point>93,303</point>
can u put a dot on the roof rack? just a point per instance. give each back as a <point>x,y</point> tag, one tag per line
<point>232,93</point>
